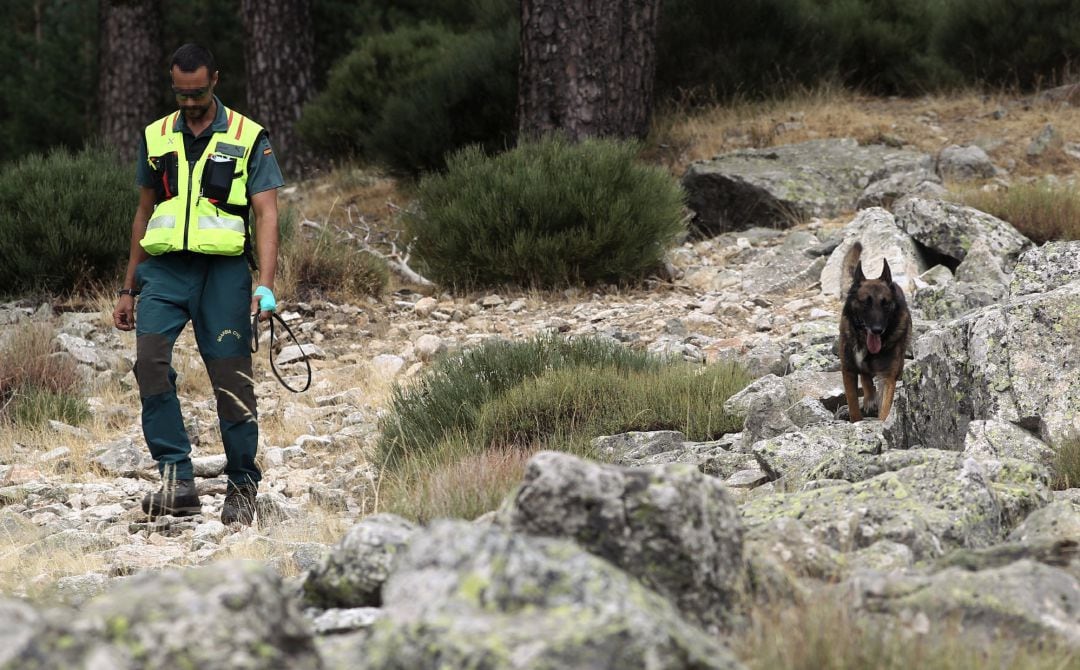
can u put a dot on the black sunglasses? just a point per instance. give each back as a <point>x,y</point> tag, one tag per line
<point>190,93</point>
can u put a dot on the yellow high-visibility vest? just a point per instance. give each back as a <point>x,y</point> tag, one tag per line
<point>206,209</point>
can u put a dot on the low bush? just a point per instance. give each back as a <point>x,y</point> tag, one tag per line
<point>65,221</point>
<point>548,213</point>
<point>468,96</point>
<point>37,383</point>
<point>1041,211</point>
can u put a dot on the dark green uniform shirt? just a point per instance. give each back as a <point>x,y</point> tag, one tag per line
<point>263,171</point>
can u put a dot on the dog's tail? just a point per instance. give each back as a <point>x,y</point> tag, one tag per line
<point>851,261</point>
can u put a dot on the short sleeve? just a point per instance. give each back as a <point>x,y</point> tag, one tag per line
<point>263,171</point>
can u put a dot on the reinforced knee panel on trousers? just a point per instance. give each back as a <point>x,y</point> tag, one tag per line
<point>233,388</point>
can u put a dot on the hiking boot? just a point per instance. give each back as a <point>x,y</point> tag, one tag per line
<point>239,504</point>
<point>177,497</point>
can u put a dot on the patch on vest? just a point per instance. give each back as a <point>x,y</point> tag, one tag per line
<point>230,149</point>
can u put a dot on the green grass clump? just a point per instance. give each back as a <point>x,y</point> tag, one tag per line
<point>37,382</point>
<point>447,400</point>
<point>455,443</point>
<point>1041,211</point>
<point>565,409</point>
<point>548,213</point>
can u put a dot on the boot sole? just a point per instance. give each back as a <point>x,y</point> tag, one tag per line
<point>176,511</point>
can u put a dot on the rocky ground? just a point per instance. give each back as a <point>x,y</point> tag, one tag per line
<point>953,490</point>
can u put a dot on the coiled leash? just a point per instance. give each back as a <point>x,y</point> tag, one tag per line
<point>255,338</point>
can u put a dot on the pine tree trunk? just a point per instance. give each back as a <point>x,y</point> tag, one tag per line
<point>587,67</point>
<point>279,54</point>
<point>131,63</point>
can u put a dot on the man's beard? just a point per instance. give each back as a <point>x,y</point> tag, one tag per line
<point>196,113</point>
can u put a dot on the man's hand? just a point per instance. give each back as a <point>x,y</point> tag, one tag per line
<point>124,315</point>
<point>263,302</point>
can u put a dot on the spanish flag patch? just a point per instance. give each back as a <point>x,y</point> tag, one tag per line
<point>267,151</point>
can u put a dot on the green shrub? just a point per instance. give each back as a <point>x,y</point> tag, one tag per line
<point>547,213</point>
<point>1022,43</point>
<point>447,400</point>
<point>1041,211</point>
<point>36,384</point>
<point>65,221</point>
<point>339,121</point>
<point>468,97</point>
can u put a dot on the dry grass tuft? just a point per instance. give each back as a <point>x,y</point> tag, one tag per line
<point>1065,471</point>
<point>829,636</point>
<point>37,381</point>
<point>1042,211</point>
<point>451,482</point>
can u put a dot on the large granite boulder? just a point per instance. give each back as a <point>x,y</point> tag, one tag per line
<point>229,615</point>
<point>943,503</point>
<point>670,526</point>
<point>1046,268</point>
<point>882,239</point>
<point>480,596</point>
<point>353,572</point>
<point>950,229</point>
<point>1013,362</point>
<point>1022,600</point>
<point>780,186</point>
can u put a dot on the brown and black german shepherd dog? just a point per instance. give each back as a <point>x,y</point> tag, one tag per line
<point>874,329</point>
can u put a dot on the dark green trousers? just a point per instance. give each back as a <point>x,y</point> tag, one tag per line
<point>214,293</point>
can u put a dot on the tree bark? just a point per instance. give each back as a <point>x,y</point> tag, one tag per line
<point>279,55</point>
<point>587,67</point>
<point>130,66</point>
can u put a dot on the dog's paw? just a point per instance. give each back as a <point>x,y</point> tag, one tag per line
<point>842,413</point>
<point>869,408</point>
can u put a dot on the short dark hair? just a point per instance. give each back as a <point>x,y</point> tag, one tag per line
<point>191,57</point>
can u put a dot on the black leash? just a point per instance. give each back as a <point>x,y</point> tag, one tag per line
<point>270,349</point>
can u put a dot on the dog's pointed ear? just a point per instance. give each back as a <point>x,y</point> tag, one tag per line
<point>857,276</point>
<point>886,273</point>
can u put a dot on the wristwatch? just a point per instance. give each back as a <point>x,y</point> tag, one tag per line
<point>127,291</point>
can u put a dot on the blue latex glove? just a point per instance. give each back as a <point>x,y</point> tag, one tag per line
<point>267,303</point>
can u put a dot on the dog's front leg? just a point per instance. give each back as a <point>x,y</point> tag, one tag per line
<point>887,391</point>
<point>851,392</point>
<point>869,395</point>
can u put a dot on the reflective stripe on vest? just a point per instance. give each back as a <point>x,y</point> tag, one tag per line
<point>193,218</point>
<point>221,223</point>
<point>161,222</point>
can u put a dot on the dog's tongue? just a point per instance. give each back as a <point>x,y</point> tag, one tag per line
<point>873,342</point>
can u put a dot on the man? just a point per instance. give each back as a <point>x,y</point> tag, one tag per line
<point>201,170</point>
